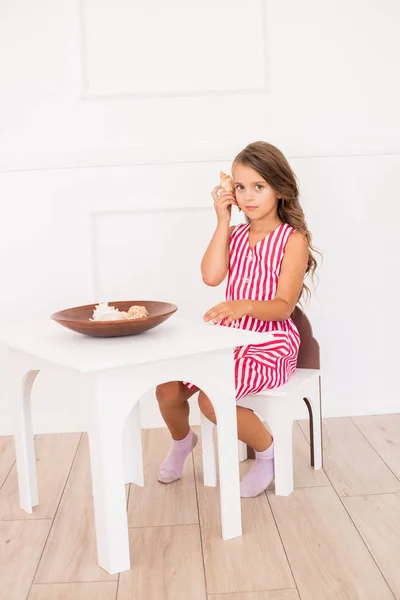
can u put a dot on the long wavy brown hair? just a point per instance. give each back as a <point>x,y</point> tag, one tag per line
<point>271,164</point>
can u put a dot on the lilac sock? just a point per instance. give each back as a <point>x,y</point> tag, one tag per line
<point>172,466</point>
<point>260,475</point>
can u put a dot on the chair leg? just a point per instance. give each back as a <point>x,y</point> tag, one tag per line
<point>250,453</point>
<point>132,448</point>
<point>242,451</point>
<point>208,447</point>
<point>315,418</point>
<point>282,429</point>
<point>19,390</point>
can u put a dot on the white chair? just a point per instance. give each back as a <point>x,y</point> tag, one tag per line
<point>278,408</point>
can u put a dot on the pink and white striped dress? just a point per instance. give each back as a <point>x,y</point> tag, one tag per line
<point>253,274</point>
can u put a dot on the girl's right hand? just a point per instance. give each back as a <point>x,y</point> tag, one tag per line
<point>223,204</point>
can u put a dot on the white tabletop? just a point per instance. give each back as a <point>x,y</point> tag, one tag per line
<point>51,342</point>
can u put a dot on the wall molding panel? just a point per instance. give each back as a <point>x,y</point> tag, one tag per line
<point>113,61</point>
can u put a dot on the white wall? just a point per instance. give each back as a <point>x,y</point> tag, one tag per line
<point>114,125</point>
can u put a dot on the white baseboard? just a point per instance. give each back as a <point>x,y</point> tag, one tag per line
<point>45,423</point>
<point>48,422</point>
<point>72,421</point>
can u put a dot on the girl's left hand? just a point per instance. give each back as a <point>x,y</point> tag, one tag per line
<point>228,311</point>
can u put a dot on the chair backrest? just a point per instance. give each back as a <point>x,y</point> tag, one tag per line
<point>309,353</point>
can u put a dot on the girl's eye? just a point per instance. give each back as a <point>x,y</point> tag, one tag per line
<point>259,186</point>
<point>239,187</point>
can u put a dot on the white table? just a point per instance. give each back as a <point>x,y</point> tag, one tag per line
<point>115,373</point>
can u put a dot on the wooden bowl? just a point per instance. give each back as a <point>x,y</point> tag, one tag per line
<point>78,318</point>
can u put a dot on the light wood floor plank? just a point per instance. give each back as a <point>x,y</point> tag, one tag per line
<point>276,595</point>
<point>70,554</point>
<point>21,544</point>
<point>327,555</point>
<point>383,432</point>
<point>166,565</point>
<point>54,456</point>
<point>378,520</point>
<point>104,590</point>
<point>7,457</point>
<point>353,467</point>
<point>256,561</point>
<point>157,503</point>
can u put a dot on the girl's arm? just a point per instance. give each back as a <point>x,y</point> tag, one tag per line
<point>294,265</point>
<point>215,263</point>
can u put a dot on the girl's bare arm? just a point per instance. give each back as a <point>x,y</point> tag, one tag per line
<point>215,263</point>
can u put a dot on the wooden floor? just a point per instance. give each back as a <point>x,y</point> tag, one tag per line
<point>336,537</point>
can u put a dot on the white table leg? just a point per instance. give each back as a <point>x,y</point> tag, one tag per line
<point>20,384</point>
<point>213,372</point>
<point>108,478</point>
<point>133,452</point>
<point>208,450</point>
<point>222,396</point>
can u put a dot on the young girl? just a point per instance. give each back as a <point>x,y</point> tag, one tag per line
<point>266,261</point>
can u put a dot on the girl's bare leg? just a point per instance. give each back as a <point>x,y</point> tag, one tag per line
<point>173,401</point>
<point>251,430</point>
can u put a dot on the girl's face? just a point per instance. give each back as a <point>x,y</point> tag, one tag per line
<point>254,195</point>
